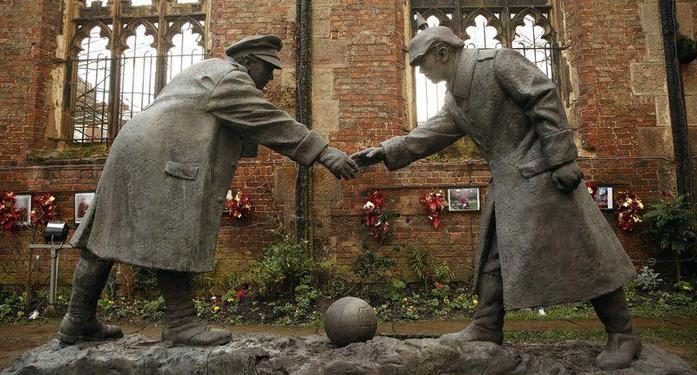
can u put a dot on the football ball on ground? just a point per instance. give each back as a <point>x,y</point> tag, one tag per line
<point>350,319</point>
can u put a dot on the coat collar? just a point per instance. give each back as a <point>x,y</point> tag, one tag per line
<point>238,65</point>
<point>465,70</point>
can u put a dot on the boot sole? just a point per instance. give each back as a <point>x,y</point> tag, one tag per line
<point>170,343</point>
<point>72,340</point>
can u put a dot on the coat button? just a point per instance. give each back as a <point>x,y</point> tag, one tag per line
<point>220,200</point>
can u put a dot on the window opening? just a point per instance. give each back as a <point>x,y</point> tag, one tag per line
<point>123,53</point>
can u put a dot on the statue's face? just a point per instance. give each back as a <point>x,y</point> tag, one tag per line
<point>434,65</point>
<point>260,71</point>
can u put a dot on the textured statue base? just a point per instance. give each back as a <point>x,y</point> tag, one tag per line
<point>266,354</point>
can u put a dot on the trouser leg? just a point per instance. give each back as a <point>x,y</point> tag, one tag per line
<point>80,322</point>
<point>487,324</point>
<point>623,345</point>
<point>182,326</point>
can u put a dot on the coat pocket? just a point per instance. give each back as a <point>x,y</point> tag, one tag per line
<point>184,171</point>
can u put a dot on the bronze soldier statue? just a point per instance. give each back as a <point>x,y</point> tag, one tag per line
<point>543,239</point>
<point>160,198</point>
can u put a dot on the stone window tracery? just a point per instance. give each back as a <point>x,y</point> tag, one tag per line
<point>122,53</point>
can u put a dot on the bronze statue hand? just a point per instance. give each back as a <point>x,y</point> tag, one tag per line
<point>567,177</point>
<point>368,157</point>
<point>338,163</point>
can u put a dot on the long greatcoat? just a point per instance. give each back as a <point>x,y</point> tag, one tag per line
<point>161,195</point>
<point>553,247</point>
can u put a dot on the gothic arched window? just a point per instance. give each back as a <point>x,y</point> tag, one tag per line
<point>123,53</point>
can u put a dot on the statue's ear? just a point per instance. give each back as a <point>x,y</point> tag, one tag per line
<point>443,53</point>
<point>244,60</point>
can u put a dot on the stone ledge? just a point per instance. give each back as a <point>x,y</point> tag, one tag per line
<point>267,354</point>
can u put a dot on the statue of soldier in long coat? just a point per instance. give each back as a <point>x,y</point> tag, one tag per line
<point>543,240</point>
<point>161,195</point>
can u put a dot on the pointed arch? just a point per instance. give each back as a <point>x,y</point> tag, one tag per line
<point>131,30</point>
<point>83,32</point>
<point>492,20</point>
<point>540,19</point>
<point>176,28</point>
<point>441,15</point>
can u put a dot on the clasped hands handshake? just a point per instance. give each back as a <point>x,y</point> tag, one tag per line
<point>343,166</point>
<point>566,177</point>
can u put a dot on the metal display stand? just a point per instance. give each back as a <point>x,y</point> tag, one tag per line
<point>53,282</point>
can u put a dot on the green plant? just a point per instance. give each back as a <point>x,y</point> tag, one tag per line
<point>205,283</point>
<point>683,286</point>
<point>463,301</point>
<point>370,267</point>
<point>305,296</point>
<point>283,266</point>
<point>370,271</point>
<point>396,289</point>
<point>12,306</point>
<point>429,269</point>
<point>672,221</point>
<point>144,279</point>
<point>339,286</point>
<point>647,279</point>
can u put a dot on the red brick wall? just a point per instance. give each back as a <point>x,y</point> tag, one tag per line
<point>605,37</point>
<point>616,53</point>
<point>28,39</point>
<point>230,21</point>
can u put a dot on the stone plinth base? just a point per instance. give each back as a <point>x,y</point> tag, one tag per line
<point>315,355</point>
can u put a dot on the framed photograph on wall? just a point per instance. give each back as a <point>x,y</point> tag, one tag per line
<point>463,199</point>
<point>82,203</point>
<point>23,203</point>
<point>603,198</point>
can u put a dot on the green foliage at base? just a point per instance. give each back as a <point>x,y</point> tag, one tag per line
<point>282,267</point>
<point>673,223</point>
<point>287,285</point>
<point>429,269</point>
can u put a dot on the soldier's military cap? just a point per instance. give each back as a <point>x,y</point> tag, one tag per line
<point>265,47</point>
<point>423,41</point>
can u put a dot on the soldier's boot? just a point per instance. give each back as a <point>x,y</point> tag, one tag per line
<point>182,326</point>
<point>487,324</point>
<point>80,322</point>
<point>623,345</point>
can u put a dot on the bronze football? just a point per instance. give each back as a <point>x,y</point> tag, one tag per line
<point>350,319</point>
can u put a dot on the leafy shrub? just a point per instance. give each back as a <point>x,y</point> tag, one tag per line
<point>12,306</point>
<point>673,223</point>
<point>370,267</point>
<point>396,290</point>
<point>339,287</point>
<point>283,266</point>
<point>305,296</point>
<point>683,286</point>
<point>648,280</point>
<point>429,269</point>
<point>152,309</point>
